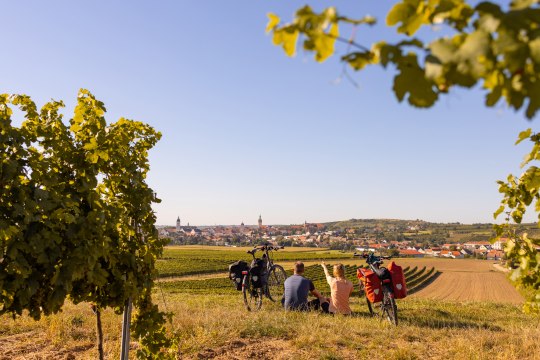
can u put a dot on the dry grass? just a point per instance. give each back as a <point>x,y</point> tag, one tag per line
<point>482,321</point>
<point>67,335</point>
<point>214,326</point>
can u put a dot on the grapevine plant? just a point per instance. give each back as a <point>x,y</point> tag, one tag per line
<point>75,214</point>
<point>520,194</point>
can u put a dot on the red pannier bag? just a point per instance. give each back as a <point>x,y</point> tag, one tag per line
<point>398,280</point>
<point>372,284</point>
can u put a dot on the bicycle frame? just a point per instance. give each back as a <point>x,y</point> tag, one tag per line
<point>388,304</point>
<point>386,283</point>
<point>266,249</point>
<point>275,272</point>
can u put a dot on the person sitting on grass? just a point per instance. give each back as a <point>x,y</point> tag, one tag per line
<point>296,293</point>
<point>340,289</point>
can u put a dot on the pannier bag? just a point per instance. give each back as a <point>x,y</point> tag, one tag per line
<point>257,272</point>
<point>235,273</point>
<point>398,280</point>
<point>372,285</point>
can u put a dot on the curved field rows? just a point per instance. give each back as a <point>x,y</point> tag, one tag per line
<point>471,286</point>
<point>466,280</point>
<point>458,279</point>
<point>455,279</point>
<point>461,280</point>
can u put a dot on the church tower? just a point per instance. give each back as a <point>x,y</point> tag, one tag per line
<point>178,224</point>
<point>260,222</point>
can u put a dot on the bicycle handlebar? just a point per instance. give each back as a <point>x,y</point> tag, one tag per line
<point>264,247</point>
<point>372,259</point>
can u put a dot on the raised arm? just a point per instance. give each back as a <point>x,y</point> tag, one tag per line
<point>326,273</point>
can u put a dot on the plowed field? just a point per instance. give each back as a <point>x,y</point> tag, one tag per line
<point>466,280</point>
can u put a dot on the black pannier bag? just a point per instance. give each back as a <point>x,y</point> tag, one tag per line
<point>383,273</point>
<point>257,272</point>
<point>235,273</point>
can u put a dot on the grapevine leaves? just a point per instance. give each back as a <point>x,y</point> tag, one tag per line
<point>411,15</point>
<point>411,80</point>
<point>518,195</point>
<point>75,212</point>
<point>320,31</point>
<point>500,49</point>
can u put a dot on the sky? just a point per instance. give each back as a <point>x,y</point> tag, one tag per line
<point>248,130</point>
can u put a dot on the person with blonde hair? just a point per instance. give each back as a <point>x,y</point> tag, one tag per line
<point>340,289</point>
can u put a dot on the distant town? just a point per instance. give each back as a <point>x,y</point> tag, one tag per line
<point>404,238</point>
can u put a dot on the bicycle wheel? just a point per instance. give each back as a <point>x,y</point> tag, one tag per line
<point>274,284</point>
<point>370,307</point>
<point>252,296</point>
<point>390,308</point>
<point>369,304</point>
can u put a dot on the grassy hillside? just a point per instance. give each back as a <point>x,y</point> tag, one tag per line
<point>422,231</point>
<point>217,326</point>
<point>210,321</point>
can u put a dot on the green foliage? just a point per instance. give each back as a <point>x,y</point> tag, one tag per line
<point>497,48</point>
<point>320,30</point>
<point>75,212</point>
<point>518,195</point>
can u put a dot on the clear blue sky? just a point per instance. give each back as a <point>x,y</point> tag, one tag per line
<point>249,131</point>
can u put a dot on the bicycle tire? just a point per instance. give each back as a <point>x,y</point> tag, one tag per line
<point>394,310</point>
<point>275,283</point>
<point>370,307</point>
<point>369,304</point>
<point>390,308</point>
<point>252,296</point>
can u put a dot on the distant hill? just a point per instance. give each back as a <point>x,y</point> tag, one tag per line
<point>421,231</point>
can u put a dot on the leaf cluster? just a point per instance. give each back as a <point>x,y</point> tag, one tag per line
<point>75,212</point>
<point>518,195</point>
<point>498,48</point>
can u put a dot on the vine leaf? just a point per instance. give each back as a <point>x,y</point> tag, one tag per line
<point>411,81</point>
<point>287,38</point>
<point>272,22</point>
<point>525,134</point>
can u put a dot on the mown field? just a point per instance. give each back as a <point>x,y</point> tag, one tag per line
<point>210,321</point>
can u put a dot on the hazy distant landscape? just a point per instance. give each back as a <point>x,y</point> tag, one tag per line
<point>405,238</point>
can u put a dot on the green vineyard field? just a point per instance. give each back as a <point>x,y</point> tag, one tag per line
<point>181,262</point>
<point>415,278</point>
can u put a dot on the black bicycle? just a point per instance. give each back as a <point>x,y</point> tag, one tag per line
<point>263,278</point>
<point>388,305</point>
